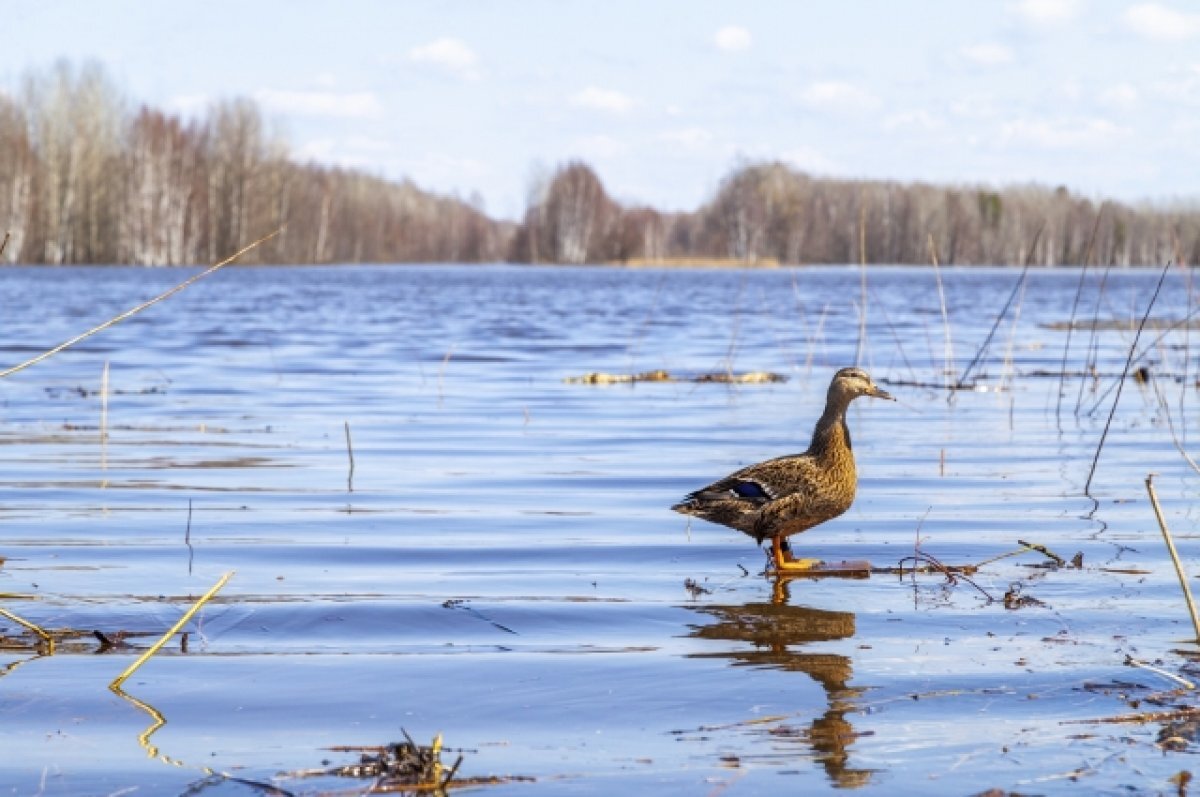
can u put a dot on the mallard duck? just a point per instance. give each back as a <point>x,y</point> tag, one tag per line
<point>787,495</point>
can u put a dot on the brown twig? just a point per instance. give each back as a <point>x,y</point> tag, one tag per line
<point>948,355</point>
<point>1087,259</point>
<point>1171,426</point>
<point>1044,551</point>
<point>1000,317</point>
<point>1121,384</point>
<point>951,572</point>
<point>4,243</point>
<point>1183,582</point>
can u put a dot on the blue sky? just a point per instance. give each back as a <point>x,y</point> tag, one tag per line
<point>664,98</point>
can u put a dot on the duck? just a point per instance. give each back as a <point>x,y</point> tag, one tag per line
<point>781,497</point>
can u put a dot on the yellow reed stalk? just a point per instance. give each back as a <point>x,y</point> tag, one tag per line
<point>1183,583</point>
<point>49,640</point>
<point>132,668</point>
<point>134,311</point>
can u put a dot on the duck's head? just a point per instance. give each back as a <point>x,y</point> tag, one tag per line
<point>850,383</point>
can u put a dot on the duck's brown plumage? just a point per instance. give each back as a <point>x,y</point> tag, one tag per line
<point>788,495</point>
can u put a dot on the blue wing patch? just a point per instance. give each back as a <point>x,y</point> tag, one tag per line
<point>751,490</point>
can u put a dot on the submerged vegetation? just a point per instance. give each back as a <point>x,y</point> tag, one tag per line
<point>86,178</point>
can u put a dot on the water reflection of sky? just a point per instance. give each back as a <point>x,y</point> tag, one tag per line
<point>541,506</point>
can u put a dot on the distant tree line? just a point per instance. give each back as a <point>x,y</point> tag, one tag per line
<point>770,212</point>
<point>85,178</point>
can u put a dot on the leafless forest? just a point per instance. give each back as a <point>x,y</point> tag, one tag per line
<point>86,178</point>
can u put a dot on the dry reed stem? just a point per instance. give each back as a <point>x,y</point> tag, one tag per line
<point>1000,317</point>
<point>132,668</point>
<point>862,262</point>
<point>1170,676</point>
<point>948,355</point>
<point>4,243</point>
<point>1171,426</point>
<point>1093,347</point>
<point>1151,346</point>
<point>45,636</point>
<point>134,311</point>
<point>1121,384</point>
<point>1183,584</point>
<point>1062,371</point>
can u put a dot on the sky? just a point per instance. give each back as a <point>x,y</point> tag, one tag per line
<point>665,97</point>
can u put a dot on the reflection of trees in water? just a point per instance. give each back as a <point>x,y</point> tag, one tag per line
<point>769,631</point>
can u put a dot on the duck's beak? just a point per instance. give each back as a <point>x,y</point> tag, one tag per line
<point>879,392</point>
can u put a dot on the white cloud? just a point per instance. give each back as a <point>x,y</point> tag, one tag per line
<point>1046,13</point>
<point>920,120</point>
<point>356,105</point>
<point>1061,133</point>
<point>1121,95</point>
<point>690,138</point>
<point>732,39</point>
<point>987,54</point>
<point>838,95</point>
<point>449,54</point>
<point>1182,86</point>
<point>1156,21</point>
<point>599,99</point>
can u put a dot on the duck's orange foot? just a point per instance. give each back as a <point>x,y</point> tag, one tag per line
<point>783,563</point>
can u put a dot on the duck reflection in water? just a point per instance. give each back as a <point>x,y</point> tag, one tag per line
<point>770,631</point>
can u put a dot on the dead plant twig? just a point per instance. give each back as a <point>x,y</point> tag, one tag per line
<point>952,572</point>
<point>1170,676</point>
<point>134,311</point>
<point>948,355</point>
<point>1087,258</point>
<point>1121,384</point>
<point>1171,426</point>
<point>1044,551</point>
<point>45,636</point>
<point>1183,583</point>
<point>1003,311</point>
<point>132,668</point>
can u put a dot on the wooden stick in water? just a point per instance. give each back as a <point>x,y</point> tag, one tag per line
<point>49,640</point>
<point>134,311</point>
<point>1183,583</point>
<point>132,668</point>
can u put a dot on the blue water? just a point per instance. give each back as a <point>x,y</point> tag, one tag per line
<point>505,570</point>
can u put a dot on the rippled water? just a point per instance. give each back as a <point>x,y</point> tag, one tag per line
<point>505,570</point>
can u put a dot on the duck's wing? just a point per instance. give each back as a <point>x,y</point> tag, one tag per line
<point>756,484</point>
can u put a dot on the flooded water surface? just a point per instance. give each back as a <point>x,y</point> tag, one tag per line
<point>501,567</point>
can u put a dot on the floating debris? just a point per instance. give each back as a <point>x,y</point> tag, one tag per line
<point>407,768</point>
<point>1013,599</point>
<point>720,377</point>
<point>617,379</point>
